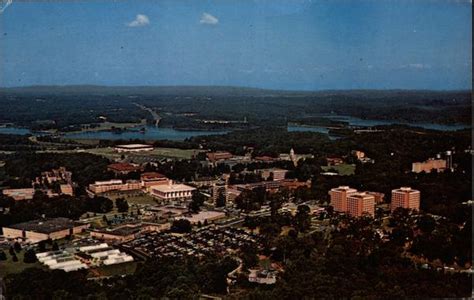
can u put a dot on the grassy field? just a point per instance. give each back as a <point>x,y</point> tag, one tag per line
<point>110,153</point>
<point>11,267</point>
<point>157,152</point>
<point>342,169</point>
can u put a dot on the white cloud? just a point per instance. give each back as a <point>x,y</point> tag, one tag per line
<point>140,20</point>
<point>208,19</point>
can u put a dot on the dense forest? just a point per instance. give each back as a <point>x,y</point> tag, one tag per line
<point>22,168</point>
<point>65,108</point>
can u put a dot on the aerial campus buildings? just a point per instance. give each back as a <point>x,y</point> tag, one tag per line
<point>348,200</point>
<point>405,197</point>
<point>73,259</point>
<point>44,229</point>
<point>172,192</point>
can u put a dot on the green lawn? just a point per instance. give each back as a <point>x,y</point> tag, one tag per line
<point>342,169</point>
<point>158,152</point>
<point>11,267</point>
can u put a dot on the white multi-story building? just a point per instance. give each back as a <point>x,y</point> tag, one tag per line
<point>114,185</point>
<point>172,192</point>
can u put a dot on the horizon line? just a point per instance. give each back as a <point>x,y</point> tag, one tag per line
<point>233,86</point>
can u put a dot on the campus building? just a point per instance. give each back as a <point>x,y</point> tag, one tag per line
<point>149,179</point>
<point>43,229</point>
<point>28,193</point>
<point>133,148</point>
<point>172,192</point>
<point>100,187</point>
<point>339,197</point>
<point>220,155</point>
<point>429,165</point>
<point>123,168</point>
<point>405,197</point>
<point>122,233</point>
<point>359,204</point>
<point>273,173</point>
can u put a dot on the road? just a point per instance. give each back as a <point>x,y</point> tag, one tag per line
<point>156,117</point>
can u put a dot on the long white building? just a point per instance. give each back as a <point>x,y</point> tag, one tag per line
<point>172,192</point>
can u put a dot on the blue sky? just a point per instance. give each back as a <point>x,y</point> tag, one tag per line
<point>299,44</point>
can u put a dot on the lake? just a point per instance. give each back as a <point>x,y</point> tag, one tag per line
<point>368,123</point>
<point>14,130</point>
<point>352,121</point>
<point>152,133</point>
<point>159,133</point>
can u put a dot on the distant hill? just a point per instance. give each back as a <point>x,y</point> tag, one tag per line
<point>142,90</point>
<point>203,91</point>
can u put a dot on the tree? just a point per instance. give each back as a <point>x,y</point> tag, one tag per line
<point>121,204</point>
<point>426,224</point>
<point>276,202</point>
<point>17,247</point>
<point>221,200</point>
<point>196,202</point>
<point>29,257</point>
<point>3,255</point>
<point>181,226</point>
<point>269,231</point>
<point>302,219</point>
<point>14,258</point>
<point>251,223</point>
<point>11,250</point>
<point>55,246</point>
<point>249,256</point>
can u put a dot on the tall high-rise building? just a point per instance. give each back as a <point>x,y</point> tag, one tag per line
<point>449,160</point>
<point>405,197</point>
<point>339,197</point>
<point>359,204</point>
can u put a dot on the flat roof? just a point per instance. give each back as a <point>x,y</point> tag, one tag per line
<point>405,190</point>
<point>152,175</point>
<point>46,225</point>
<point>172,188</point>
<point>19,191</point>
<point>361,195</point>
<point>204,215</point>
<point>112,181</point>
<point>121,231</point>
<point>123,167</point>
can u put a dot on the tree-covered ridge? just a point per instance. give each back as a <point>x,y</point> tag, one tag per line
<point>65,108</point>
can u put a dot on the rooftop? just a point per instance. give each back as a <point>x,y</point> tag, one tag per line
<point>361,195</point>
<point>172,188</point>
<point>46,225</point>
<point>112,181</point>
<point>134,146</point>
<point>406,189</point>
<point>123,167</point>
<point>152,175</point>
<point>121,231</point>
